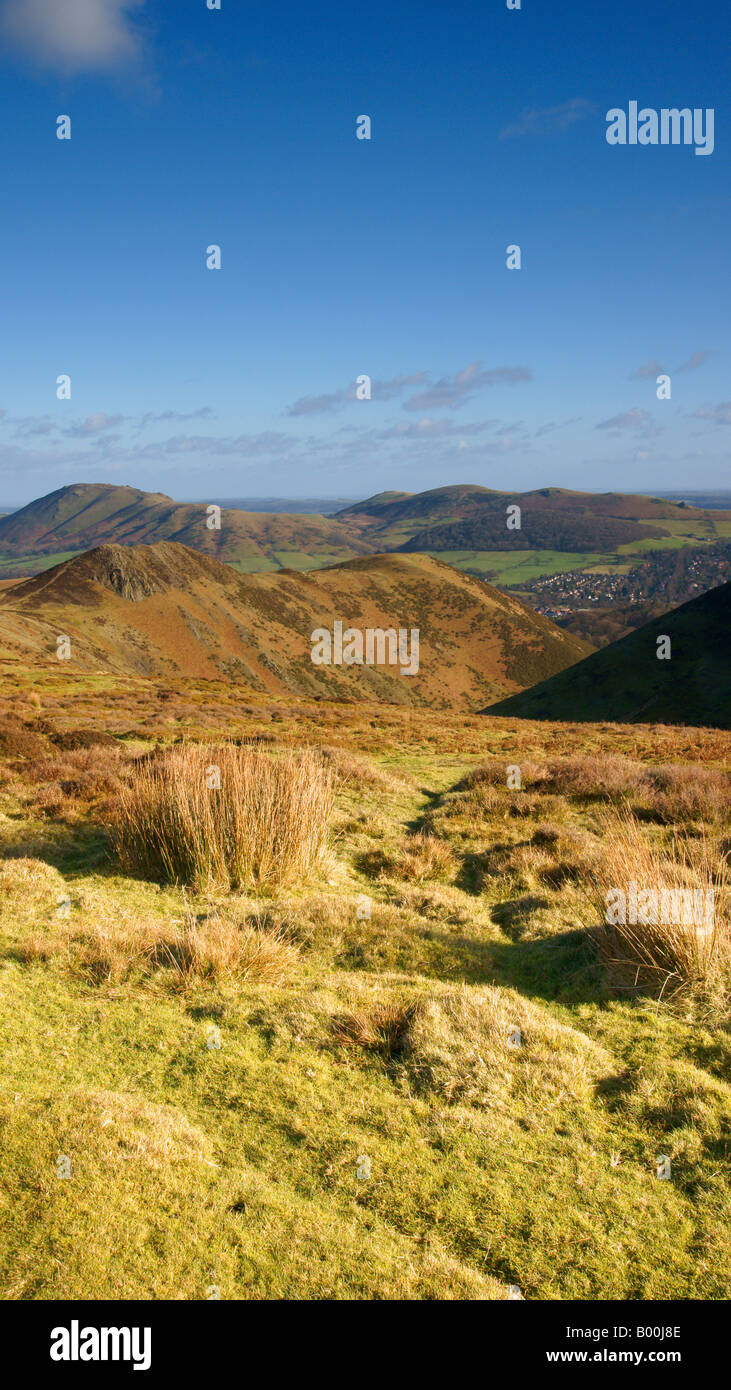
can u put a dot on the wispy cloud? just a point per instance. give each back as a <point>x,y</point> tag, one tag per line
<point>448,392</point>
<point>635,420</point>
<point>546,120</point>
<point>243,445</point>
<point>718,414</point>
<point>73,35</point>
<point>380,390</point>
<point>648,372</point>
<point>654,368</point>
<point>696,360</point>
<point>25,427</point>
<point>552,425</point>
<point>451,392</point>
<point>426,428</point>
<point>166,416</point>
<point>94,424</point>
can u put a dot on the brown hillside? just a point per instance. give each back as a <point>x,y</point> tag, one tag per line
<point>163,610</point>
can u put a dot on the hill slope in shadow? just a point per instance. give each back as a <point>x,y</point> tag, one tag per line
<point>626,682</point>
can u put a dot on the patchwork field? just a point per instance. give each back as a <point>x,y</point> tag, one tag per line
<point>561,531</point>
<point>418,1065</point>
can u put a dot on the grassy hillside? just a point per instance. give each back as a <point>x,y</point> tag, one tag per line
<point>165,610</point>
<point>560,530</point>
<point>332,1069</point>
<point>626,680</point>
<point>86,515</point>
<point>474,518</point>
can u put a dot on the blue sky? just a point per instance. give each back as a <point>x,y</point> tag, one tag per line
<point>344,257</point>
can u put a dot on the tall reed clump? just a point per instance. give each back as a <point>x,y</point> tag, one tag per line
<point>662,913</point>
<point>225,817</point>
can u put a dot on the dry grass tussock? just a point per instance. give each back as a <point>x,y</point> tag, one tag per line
<point>71,781</point>
<point>377,1027</point>
<point>479,1045</point>
<point>687,791</point>
<point>426,856</point>
<point>670,792</point>
<point>226,817</point>
<point>30,885</point>
<point>681,939</point>
<point>350,771</point>
<point>110,947</point>
<point>463,1044</point>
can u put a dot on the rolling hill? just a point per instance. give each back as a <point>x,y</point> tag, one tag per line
<point>459,522</point>
<point>626,682</point>
<point>165,609</point>
<point>474,518</point>
<point>85,515</point>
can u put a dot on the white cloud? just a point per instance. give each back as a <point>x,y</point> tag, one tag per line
<point>451,392</point>
<point>72,35</point>
<point>380,391</point>
<point>547,119</point>
<point>633,419</point>
<point>94,424</point>
<point>720,414</point>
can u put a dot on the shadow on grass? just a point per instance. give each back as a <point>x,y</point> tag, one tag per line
<point>514,915</point>
<point>560,968</point>
<point>79,848</point>
<point>475,866</point>
<point>433,802</point>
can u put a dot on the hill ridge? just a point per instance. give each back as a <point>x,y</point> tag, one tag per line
<point>626,682</point>
<point>165,609</point>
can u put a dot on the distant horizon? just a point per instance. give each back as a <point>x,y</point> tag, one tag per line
<point>332,504</point>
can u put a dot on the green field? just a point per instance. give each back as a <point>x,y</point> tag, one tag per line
<point>516,567</point>
<point>33,564</point>
<point>509,568</point>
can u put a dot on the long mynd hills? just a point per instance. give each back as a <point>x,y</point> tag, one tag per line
<point>465,525</point>
<point>145,586</point>
<point>165,610</point>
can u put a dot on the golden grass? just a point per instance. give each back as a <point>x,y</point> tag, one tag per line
<point>29,882</point>
<point>378,1026</point>
<point>426,857</point>
<point>669,792</point>
<point>349,771</point>
<point>216,948</point>
<point>667,955</point>
<point>157,1134</point>
<point>226,817</point>
<point>484,1046</point>
<point>386,1035</point>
